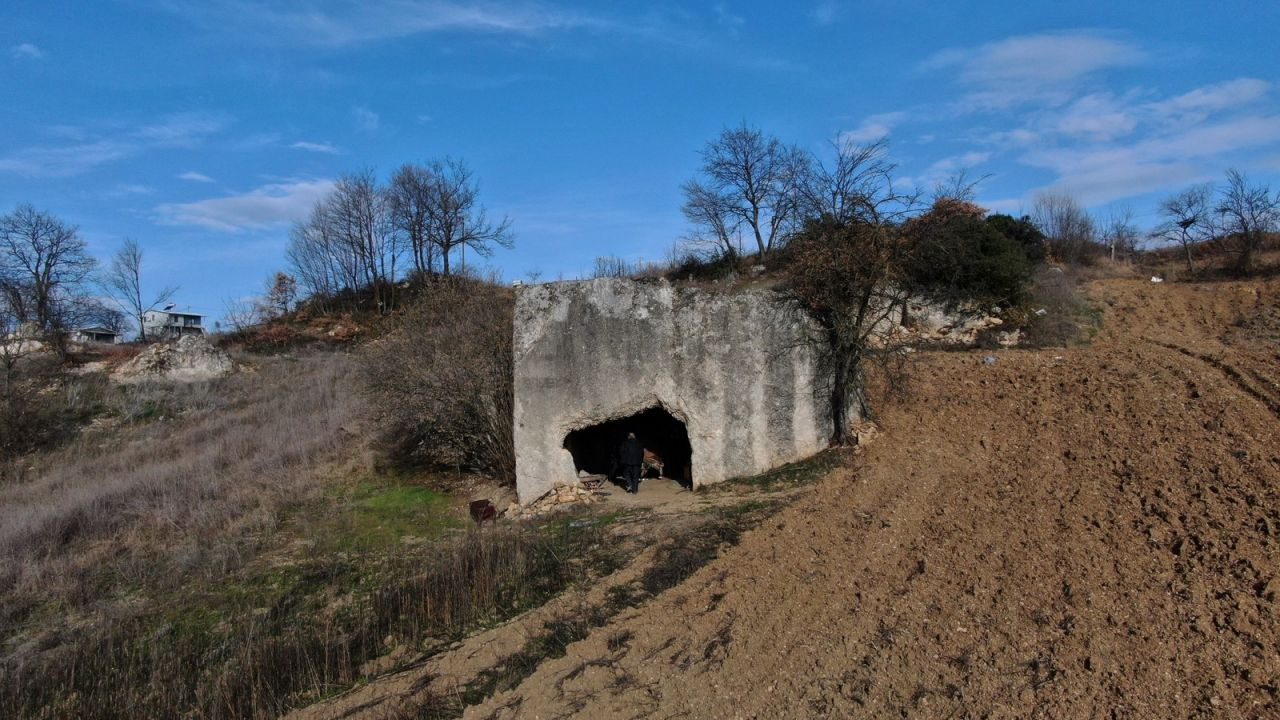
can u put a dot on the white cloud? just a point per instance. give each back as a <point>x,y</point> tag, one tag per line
<point>873,128</point>
<point>66,161</point>
<point>266,206</point>
<point>949,167</point>
<point>1100,173</point>
<point>826,12</point>
<point>86,152</point>
<point>727,19</point>
<point>324,22</point>
<point>1032,68</point>
<point>1099,116</point>
<point>26,51</point>
<point>193,176</point>
<point>1231,93</point>
<point>182,129</point>
<point>126,189</point>
<point>320,147</point>
<point>366,119</point>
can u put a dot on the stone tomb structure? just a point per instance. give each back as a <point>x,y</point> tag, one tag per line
<point>717,384</point>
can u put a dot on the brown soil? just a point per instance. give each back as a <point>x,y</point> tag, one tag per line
<point>1089,532</point>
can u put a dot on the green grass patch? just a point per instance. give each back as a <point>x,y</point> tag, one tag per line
<point>376,513</point>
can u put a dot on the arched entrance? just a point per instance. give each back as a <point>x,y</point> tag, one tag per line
<point>594,449</point>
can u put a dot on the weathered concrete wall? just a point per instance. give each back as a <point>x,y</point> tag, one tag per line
<point>738,368</point>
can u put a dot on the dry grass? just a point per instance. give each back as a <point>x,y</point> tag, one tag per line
<point>171,496</point>
<point>283,657</point>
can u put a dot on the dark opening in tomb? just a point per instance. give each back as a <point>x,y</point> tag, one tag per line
<point>665,439</point>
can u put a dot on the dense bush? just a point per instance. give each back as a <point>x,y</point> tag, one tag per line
<point>441,380</point>
<point>1024,233</point>
<point>705,266</point>
<point>956,254</point>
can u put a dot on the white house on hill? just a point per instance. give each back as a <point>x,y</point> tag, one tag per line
<point>169,323</point>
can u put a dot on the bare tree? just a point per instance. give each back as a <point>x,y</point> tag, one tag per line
<point>44,264</point>
<point>849,187</point>
<point>324,264</point>
<point>1248,213</point>
<point>410,196</point>
<point>357,212</point>
<point>1119,234</point>
<point>1186,220</point>
<point>123,282</point>
<point>849,269</point>
<point>457,219</point>
<point>758,178</point>
<point>715,225</point>
<point>1069,229</point>
<point>348,243</point>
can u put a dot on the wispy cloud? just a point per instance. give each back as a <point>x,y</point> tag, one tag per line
<point>318,147</point>
<point>182,129</point>
<point>88,151</point>
<point>1109,145</point>
<point>266,206</point>
<point>727,19</point>
<point>826,12</point>
<point>193,176</point>
<point>127,189</point>
<point>26,51</point>
<point>873,127</point>
<point>1193,106</point>
<point>366,119</point>
<point>1032,68</point>
<point>64,161</point>
<point>346,22</point>
<point>1102,172</point>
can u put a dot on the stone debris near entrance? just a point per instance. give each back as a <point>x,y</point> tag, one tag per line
<point>557,498</point>
<point>190,358</point>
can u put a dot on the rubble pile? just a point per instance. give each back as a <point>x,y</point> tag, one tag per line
<point>558,497</point>
<point>190,358</point>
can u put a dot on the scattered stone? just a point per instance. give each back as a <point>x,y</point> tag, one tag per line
<point>556,498</point>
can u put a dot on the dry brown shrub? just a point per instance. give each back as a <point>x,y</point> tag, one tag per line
<point>441,381</point>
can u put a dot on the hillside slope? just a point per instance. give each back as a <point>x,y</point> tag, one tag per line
<point>1088,532</point>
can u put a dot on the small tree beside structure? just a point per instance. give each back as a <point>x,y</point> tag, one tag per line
<point>848,269</point>
<point>751,179</point>
<point>44,267</point>
<point>123,282</point>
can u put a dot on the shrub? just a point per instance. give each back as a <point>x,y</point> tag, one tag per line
<point>705,266</point>
<point>1024,233</point>
<point>441,381</point>
<point>1067,317</point>
<point>959,256</point>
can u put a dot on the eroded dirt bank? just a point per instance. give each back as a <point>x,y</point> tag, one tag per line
<point>1075,533</point>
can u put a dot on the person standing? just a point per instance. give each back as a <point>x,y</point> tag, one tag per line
<point>631,455</point>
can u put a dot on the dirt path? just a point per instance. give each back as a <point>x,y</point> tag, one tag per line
<point>1078,533</point>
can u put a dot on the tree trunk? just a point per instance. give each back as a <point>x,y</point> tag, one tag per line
<point>844,370</point>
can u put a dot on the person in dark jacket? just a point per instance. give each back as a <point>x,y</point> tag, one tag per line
<point>631,457</point>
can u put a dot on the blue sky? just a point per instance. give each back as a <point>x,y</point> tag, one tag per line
<point>202,129</point>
